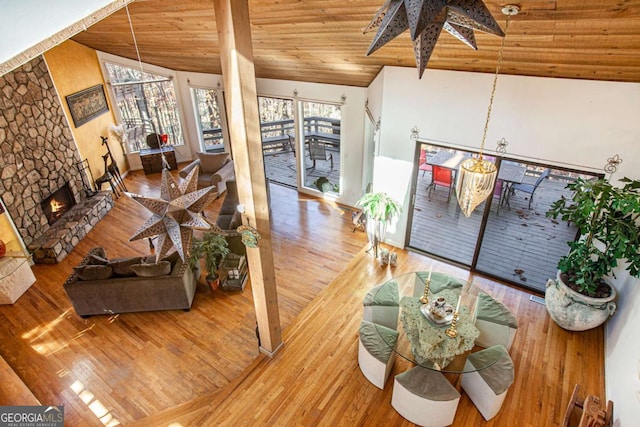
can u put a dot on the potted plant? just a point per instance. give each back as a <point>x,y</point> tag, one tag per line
<point>606,218</point>
<point>379,209</point>
<point>212,248</point>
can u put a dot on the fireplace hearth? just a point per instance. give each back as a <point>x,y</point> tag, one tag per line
<point>58,203</point>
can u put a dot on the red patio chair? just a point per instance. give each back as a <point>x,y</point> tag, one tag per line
<point>443,177</point>
<point>424,166</point>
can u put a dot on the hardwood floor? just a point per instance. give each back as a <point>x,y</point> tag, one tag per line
<point>202,368</point>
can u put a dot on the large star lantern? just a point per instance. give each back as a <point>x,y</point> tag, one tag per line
<point>425,20</point>
<point>175,214</point>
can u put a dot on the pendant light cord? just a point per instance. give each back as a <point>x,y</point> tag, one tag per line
<point>135,42</point>
<point>493,89</point>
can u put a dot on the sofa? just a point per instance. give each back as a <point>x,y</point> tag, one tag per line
<point>229,219</point>
<point>125,285</point>
<point>215,170</point>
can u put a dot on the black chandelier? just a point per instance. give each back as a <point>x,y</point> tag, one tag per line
<point>426,19</point>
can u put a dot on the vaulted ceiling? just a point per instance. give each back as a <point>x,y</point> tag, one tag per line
<point>322,40</point>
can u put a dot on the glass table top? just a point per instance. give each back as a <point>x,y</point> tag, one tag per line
<point>426,335</point>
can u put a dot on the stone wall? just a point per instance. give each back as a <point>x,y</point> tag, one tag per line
<point>37,151</point>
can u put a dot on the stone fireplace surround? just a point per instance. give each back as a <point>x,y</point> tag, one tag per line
<point>37,156</point>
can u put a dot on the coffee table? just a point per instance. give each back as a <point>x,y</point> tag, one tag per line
<point>425,342</point>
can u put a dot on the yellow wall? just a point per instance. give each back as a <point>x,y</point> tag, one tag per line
<point>75,67</point>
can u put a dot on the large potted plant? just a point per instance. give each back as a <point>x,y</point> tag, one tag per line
<point>379,209</point>
<point>606,217</point>
<point>212,248</point>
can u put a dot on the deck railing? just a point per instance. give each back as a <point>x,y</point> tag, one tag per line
<point>275,135</point>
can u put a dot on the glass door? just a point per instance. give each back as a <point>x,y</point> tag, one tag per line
<point>438,226</point>
<point>508,236</point>
<point>278,140</point>
<point>320,147</point>
<point>520,244</point>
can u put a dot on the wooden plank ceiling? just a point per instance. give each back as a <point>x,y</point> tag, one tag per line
<point>322,40</point>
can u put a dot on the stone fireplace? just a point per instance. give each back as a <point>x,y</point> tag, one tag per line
<point>38,156</point>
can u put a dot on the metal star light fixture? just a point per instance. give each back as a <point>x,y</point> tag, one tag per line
<point>426,19</point>
<point>175,214</point>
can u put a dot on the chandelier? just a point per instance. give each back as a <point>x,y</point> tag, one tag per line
<point>426,19</point>
<point>477,176</point>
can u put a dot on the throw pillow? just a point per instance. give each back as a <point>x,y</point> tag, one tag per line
<point>95,259</point>
<point>122,266</point>
<point>163,268</point>
<point>93,272</point>
<point>212,162</point>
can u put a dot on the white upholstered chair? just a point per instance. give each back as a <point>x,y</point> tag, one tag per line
<point>488,387</point>
<point>425,397</point>
<point>496,323</point>
<point>375,352</point>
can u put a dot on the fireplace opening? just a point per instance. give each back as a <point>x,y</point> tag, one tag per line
<point>58,203</point>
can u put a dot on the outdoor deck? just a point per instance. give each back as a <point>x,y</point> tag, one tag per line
<point>280,166</point>
<point>519,244</point>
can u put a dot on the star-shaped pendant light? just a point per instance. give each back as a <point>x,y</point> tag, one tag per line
<point>425,20</point>
<point>175,214</point>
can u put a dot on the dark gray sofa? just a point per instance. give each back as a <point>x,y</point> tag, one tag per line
<point>229,219</point>
<point>131,294</point>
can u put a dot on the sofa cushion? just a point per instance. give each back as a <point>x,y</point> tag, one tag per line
<point>163,268</point>
<point>212,162</point>
<point>93,272</point>
<point>223,221</point>
<point>236,221</point>
<point>122,266</point>
<point>95,259</point>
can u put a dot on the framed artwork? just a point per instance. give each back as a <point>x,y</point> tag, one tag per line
<point>87,104</point>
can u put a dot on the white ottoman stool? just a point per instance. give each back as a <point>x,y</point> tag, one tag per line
<point>497,325</point>
<point>488,387</point>
<point>382,305</point>
<point>425,397</point>
<point>375,352</point>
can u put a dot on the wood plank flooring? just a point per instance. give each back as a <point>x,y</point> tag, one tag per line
<point>315,379</point>
<point>202,368</point>
<point>133,365</point>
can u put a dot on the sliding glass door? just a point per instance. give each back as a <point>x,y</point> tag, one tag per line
<point>438,226</point>
<point>508,236</point>
<point>320,147</point>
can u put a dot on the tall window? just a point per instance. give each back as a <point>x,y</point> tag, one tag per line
<point>147,104</point>
<point>209,120</point>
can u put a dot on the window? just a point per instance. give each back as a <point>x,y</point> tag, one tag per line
<point>209,119</point>
<point>146,104</point>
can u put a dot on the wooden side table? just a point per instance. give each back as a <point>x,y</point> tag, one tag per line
<point>152,159</point>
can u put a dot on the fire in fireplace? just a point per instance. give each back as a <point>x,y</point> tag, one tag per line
<point>58,203</point>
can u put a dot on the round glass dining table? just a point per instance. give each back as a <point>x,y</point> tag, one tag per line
<point>428,334</point>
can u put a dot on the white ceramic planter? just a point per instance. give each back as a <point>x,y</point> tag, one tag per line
<point>576,312</point>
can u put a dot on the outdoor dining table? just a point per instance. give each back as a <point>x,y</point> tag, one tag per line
<point>509,173</point>
<point>427,344</point>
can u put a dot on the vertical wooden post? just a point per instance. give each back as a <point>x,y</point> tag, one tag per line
<point>241,99</point>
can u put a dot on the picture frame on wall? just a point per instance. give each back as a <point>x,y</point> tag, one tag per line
<point>87,104</point>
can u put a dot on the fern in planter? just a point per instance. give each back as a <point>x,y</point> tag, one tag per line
<point>379,209</point>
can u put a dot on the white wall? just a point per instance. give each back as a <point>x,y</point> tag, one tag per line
<point>564,122</point>
<point>622,352</point>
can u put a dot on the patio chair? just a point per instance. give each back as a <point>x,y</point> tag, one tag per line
<point>318,151</point>
<point>443,177</point>
<point>529,188</point>
<point>424,166</point>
